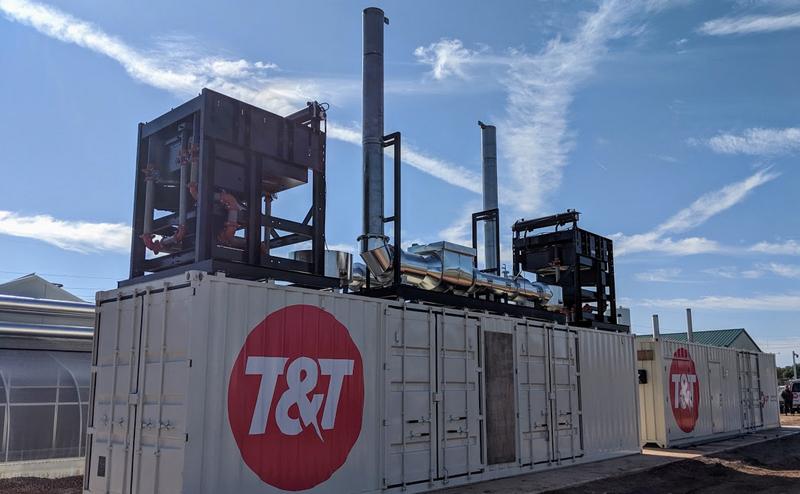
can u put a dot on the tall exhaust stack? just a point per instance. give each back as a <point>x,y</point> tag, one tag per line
<point>489,155</point>
<point>372,128</point>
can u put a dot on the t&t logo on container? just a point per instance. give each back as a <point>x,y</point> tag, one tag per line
<point>296,397</point>
<point>684,393</point>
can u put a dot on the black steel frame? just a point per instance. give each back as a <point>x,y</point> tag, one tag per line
<point>406,292</point>
<point>200,250</point>
<point>592,266</point>
<point>487,215</point>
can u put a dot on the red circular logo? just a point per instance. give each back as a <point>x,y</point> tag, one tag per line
<point>296,397</point>
<point>684,394</point>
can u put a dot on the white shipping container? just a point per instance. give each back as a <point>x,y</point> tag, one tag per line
<point>695,393</point>
<point>204,384</point>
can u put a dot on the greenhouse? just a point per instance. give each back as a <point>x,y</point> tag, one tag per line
<point>43,404</point>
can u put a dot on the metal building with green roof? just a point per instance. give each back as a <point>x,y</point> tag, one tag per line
<point>729,338</point>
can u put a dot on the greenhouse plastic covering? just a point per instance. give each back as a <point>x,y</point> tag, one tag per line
<point>43,404</point>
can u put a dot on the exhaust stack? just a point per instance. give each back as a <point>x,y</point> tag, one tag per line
<point>489,168</point>
<point>372,128</point>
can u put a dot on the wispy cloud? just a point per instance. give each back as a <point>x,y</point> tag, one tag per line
<point>750,24</point>
<point>181,70</point>
<point>540,87</point>
<point>755,142</point>
<point>783,270</point>
<point>757,271</point>
<point>76,236</point>
<point>701,210</point>
<point>439,168</point>
<point>449,58</point>
<point>661,275</point>
<point>733,273</point>
<point>789,247</point>
<point>787,302</point>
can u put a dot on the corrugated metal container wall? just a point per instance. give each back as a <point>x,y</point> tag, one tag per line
<point>208,384</point>
<point>769,387</point>
<point>696,392</point>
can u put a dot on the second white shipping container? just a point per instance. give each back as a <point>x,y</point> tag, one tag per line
<point>691,393</point>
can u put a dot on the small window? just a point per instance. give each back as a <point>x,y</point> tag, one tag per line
<point>796,387</point>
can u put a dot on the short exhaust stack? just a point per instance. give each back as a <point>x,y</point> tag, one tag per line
<point>489,168</point>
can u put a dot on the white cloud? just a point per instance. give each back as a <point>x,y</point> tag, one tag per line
<point>448,58</point>
<point>76,236</point>
<point>783,270</point>
<point>661,275</point>
<point>789,247</point>
<point>701,210</point>
<point>534,134</point>
<point>750,24</point>
<point>712,203</point>
<point>441,169</point>
<point>182,71</point>
<point>789,302</point>
<point>757,142</point>
<point>732,273</point>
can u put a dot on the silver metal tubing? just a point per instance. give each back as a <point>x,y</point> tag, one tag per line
<point>489,168</point>
<point>46,330</point>
<point>689,328</point>
<point>372,128</point>
<point>11,303</point>
<point>445,266</point>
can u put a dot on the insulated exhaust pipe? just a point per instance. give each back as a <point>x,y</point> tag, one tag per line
<point>372,129</point>
<point>489,168</point>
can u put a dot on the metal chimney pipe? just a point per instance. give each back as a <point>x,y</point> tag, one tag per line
<point>489,158</point>
<point>656,331</point>
<point>689,332</point>
<point>372,128</point>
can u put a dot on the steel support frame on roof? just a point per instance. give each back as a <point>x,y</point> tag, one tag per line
<point>487,215</point>
<point>201,243</point>
<point>398,290</point>
<point>599,261</point>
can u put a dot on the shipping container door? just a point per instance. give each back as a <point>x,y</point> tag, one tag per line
<point>113,417</point>
<point>755,390</point>
<point>565,404</point>
<point>410,377</point>
<point>457,397</point>
<point>715,386</point>
<point>746,391</point>
<point>161,395</point>
<point>534,386</point>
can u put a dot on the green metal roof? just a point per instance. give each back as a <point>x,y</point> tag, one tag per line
<point>715,337</point>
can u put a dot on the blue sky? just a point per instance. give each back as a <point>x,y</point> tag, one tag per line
<point>672,126</point>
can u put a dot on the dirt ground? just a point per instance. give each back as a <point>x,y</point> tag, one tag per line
<point>31,485</point>
<point>771,467</point>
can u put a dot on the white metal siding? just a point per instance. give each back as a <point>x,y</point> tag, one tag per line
<point>164,361</point>
<point>733,396</point>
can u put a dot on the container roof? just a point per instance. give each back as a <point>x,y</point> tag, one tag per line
<point>714,337</point>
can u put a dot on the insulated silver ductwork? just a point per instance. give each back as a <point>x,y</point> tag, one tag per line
<point>443,266</point>
<point>19,329</point>
<point>489,168</point>
<point>372,129</point>
<point>11,303</point>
